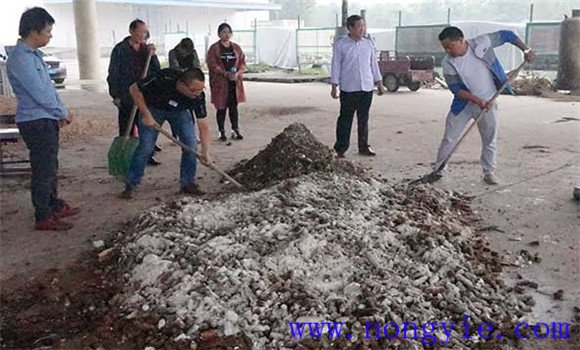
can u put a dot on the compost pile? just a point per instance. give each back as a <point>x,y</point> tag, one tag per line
<point>534,86</point>
<point>292,153</point>
<point>324,246</point>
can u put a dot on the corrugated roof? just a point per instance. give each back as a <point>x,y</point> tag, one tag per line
<point>236,5</point>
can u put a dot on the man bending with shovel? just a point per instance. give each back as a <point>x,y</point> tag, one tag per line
<point>474,75</point>
<point>169,95</point>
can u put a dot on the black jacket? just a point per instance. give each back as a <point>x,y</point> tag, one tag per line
<point>123,71</point>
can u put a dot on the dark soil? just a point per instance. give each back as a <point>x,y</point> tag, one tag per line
<point>292,153</point>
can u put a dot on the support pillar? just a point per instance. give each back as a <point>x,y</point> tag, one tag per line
<point>88,52</point>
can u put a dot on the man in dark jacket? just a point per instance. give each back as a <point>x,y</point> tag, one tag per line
<point>169,95</point>
<point>126,67</point>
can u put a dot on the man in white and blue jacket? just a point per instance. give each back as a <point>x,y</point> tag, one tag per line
<point>39,116</point>
<point>474,74</point>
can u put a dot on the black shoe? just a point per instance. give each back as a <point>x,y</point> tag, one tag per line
<point>192,189</point>
<point>236,135</point>
<point>222,136</point>
<point>367,152</point>
<point>126,194</point>
<point>340,154</point>
<point>153,161</point>
<point>157,148</point>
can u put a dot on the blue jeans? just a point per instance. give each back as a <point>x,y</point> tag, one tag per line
<point>183,124</point>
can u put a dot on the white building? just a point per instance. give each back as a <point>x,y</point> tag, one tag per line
<point>168,20</point>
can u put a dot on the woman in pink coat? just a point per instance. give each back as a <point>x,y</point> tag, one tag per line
<point>226,63</point>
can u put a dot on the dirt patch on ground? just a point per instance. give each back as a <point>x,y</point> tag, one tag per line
<point>7,105</point>
<point>86,127</point>
<point>57,306</point>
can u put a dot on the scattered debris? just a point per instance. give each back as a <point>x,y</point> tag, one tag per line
<point>567,119</point>
<point>534,86</point>
<point>534,244</point>
<point>530,257</point>
<point>328,243</point>
<point>528,283</point>
<point>535,147</point>
<point>490,228</point>
<point>559,295</point>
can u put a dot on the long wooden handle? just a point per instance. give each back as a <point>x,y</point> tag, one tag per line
<point>511,77</point>
<point>134,109</point>
<point>192,151</point>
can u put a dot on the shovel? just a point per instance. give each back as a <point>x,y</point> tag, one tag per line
<point>123,147</point>
<point>434,175</point>
<point>192,151</point>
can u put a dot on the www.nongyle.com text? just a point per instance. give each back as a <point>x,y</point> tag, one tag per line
<point>425,332</point>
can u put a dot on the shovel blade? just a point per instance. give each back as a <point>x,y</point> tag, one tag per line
<point>427,179</point>
<point>120,155</point>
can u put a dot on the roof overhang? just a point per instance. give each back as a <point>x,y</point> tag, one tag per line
<point>234,5</point>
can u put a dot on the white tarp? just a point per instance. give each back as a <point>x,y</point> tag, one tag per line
<point>277,47</point>
<point>509,55</point>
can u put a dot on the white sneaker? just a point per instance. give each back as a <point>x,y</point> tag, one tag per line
<point>490,179</point>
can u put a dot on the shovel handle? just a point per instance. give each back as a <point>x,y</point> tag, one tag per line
<point>134,108</point>
<point>192,151</point>
<point>511,77</point>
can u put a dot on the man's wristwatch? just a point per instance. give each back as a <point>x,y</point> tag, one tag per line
<point>527,51</point>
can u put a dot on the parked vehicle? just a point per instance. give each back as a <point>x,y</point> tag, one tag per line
<point>56,68</point>
<point>404,70</point>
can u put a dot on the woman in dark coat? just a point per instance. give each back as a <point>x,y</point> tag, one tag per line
<point>226,63</point>
<point>183,55</point>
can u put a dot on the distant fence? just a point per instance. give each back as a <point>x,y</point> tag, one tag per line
<point>420,40</point>
<point>303,47</point>
<point>247,40</point>
<point>314,46</point>
<point>544,38</point>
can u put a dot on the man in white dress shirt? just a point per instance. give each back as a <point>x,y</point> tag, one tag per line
<point>355,71</point>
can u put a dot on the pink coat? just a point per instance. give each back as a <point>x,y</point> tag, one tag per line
<point>218,83</point>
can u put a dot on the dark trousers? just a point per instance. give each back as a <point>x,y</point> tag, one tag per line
<point>41,139</point>
<point>351,102</point>
<point>232,106</point>
<point>125,115</point>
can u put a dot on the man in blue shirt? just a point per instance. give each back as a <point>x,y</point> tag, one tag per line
<point>39,115</point>
<point>356,71</point>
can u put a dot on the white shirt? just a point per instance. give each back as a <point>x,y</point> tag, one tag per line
<point>476,76</point>
<point>354,65</point>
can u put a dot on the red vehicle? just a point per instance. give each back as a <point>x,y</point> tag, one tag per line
<point>404,70</point>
